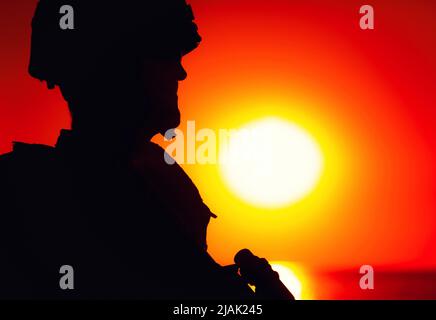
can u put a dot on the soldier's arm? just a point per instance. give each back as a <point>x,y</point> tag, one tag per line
<point>9,277</point>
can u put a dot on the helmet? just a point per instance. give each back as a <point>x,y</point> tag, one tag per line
<point>107,30</point>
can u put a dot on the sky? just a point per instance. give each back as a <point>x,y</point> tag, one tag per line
<point>367,98</point>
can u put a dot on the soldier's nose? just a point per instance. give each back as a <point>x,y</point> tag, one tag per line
<point>182,74</point>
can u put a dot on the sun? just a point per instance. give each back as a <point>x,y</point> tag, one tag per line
<point>294,278</point>
<point>271,162</point>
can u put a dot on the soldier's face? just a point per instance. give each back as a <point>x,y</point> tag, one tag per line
<point>161,80</point>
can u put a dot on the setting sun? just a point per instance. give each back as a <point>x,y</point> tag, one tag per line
<point>294,278</point>
<point>271,163</point>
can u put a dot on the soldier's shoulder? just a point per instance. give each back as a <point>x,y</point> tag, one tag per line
<point>25,153</point>
<point>158,157</point>
<point>176,181</point>
<point>6,157</point>
<point>20,148</point>
<point>5,160</point>
<point>167,165</point>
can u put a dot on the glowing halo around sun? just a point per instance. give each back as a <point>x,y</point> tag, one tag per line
<point>271,163</point>
<point>295,278</point>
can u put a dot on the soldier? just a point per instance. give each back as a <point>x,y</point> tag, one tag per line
<point>103,200</point>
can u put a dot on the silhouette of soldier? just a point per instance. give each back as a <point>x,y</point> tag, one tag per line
<point>103,200</point>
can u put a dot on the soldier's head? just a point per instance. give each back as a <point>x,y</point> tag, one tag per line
<point>117,63</point>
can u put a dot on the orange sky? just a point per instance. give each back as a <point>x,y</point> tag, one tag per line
<point>366,96</point>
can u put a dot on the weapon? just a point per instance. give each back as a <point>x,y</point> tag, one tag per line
<point>258,272</point>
